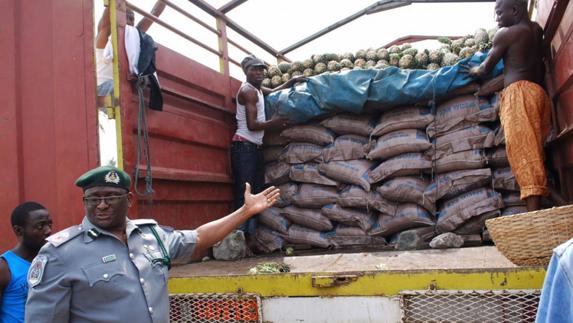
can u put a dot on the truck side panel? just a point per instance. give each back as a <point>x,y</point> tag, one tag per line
<point>561,85</point>
<point>48,126</point>
<point>189,142</point>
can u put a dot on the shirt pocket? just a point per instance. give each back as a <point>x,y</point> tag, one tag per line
<point>159,268</point>
<point>103,273</point>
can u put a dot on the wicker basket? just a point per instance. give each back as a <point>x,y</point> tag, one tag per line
<point>528,239</point>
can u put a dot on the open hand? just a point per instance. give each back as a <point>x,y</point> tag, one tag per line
<point>472,71</point>
<point>280,122</point>
<point>259,202</point>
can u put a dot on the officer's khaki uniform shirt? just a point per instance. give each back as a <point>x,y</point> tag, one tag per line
<point>85,274</point>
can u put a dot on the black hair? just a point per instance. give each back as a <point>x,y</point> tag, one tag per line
<point>20,213</point>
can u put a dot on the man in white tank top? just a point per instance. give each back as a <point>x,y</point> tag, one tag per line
<point>246,150</point>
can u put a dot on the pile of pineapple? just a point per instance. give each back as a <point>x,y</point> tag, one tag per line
<point>404,56</point>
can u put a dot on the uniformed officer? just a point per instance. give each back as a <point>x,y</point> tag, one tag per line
<point>113,269</point>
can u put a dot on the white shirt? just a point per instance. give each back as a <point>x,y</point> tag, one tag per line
<point>256,137</point>
<point>104,57</point>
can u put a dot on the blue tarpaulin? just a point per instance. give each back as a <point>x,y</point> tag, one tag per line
<point>385,88</point>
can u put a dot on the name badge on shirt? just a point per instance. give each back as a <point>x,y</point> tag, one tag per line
<point>108,258</point>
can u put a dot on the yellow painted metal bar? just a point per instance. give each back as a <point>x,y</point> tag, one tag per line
<point>117,111</point>
<point>384,283</point>
<point>223,47</point>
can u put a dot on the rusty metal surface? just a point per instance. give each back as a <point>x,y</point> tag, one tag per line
<point>48,125</point>
<point>189,142</point>
<point>556,17</point>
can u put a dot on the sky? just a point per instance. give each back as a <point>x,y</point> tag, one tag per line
<point>283,23</point>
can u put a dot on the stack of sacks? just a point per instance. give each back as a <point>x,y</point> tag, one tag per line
<point>401,176</point>
<point>325,192</point>
<point>503,178</point>
<point>461,187</point>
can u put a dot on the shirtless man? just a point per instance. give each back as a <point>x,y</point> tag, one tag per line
<point>525,108</point>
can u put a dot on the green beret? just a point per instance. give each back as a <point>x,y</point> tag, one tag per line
<point>104,176</point>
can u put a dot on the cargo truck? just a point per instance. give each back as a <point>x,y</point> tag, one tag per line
<point>48,137</point>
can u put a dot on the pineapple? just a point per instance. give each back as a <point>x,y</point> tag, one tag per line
<point>308,63</point>
<point>410,51</point>
<point>422,58</point>
<point>457,45</point>
<point>276,81</point>
<point>333,66</point>
<point>308,72</point>
<point>267,83</point>
<point>319,68</point>
<point>359,62</point>
<point>274,71</point>
<point>345,62</point>
<point>445,40</point>
<point>382,53</point>
<point>394,59</point>
<point>361,54</point>
<point>296,73</point>
<point>394,50</point>
<point>284,67</point>
<point>297,66</point>
<point>450,59</point>
<point>433,67</point>
<point>349,56</point>
<point>436,56</point>
<point>285,77</point>
<point>317,59</point>
<point>481,36</point>
<point>467,52</point>
<point>470,42</point>
<point>445,49</point>
<point>406,61</point>
<point>332,57</point>
<point>405,46</point>
<point>371,55</point>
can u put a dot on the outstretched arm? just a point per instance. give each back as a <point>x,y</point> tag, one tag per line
<point>145,23</point>
<point>210,233</point>
<point>249,98</point>
<point>285,85</point>
<point>501,42</point>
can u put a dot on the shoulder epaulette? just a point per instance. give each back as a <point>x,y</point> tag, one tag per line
<point>65,235</point>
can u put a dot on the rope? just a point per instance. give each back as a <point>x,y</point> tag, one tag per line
<point>433,176</point>
<point>143,141</point>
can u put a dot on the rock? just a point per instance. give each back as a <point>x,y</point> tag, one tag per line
<point>233,247</point>
<point>414,239</point>
<point>447,240</point>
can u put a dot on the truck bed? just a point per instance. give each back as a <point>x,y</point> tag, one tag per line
<point>449,259</point>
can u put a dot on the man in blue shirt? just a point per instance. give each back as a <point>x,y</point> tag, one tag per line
<point>32,224</point>
<point>556,304</point>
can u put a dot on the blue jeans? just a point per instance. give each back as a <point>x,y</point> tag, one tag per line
<point>248,166</point>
